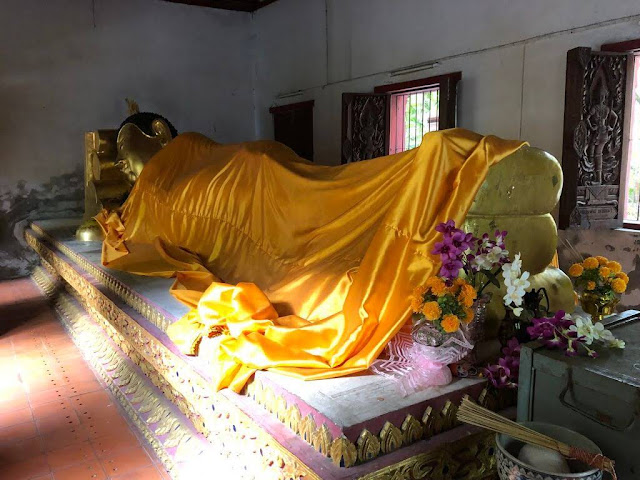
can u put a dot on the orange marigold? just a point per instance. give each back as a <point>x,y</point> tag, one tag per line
<point>416,304</point>
<point>576,270</point>
<point>602,260</point>
<point>604,272</point>
<point>419,291</point>
<point>591,285</point>
<point>437,286</point>
<point>468,315</point>
<point>431,310</point>
<point>467,295</point>
<point>450,323</point>
<point>590,263</point>
<point>623,276</point>
<point>619,285</point>
<point>460,282</point>
<point>615,267</point>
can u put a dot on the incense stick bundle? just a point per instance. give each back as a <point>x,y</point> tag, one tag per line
<point>473,414</point>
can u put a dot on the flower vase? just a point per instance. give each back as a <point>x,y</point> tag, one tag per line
<point>475,330</point>
<point>431,353</point>
<point>598,306</point>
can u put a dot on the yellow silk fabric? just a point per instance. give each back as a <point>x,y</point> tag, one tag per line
<point>287,265</point>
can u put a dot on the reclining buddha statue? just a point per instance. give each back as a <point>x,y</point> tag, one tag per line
<point>307,269</point>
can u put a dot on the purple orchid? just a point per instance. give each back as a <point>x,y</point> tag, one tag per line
<point>505,373</point>
<point>446,228</point>
<point>451,269</point>
<point>462,241</point>
<point>445,249</point>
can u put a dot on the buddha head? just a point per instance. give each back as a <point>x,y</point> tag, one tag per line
<point>140,137</point>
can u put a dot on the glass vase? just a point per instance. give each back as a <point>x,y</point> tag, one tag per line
<point>598,306</point>
<point>475,330</point>
<point>426,333</point>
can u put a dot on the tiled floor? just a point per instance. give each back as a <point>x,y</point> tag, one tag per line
<point>56,420</point>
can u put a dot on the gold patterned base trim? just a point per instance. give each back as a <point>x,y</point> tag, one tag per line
<point>369,445</point>
<point>126,383</point>
<point>198,401</point>
<point>132,299</point>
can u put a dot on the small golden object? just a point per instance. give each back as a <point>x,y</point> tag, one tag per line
<point>113,162</point>
<point>597,306</point>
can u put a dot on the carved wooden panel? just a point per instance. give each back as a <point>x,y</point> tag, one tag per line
<point>365,126</point>
<point>593,129</point>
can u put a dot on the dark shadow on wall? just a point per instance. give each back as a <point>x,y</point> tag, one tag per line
<point>61,196</point>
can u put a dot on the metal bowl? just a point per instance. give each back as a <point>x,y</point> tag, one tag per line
<point>510,468</point>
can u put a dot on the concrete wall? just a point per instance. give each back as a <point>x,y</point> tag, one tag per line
<point>511,54</point>
<point>66,67</point>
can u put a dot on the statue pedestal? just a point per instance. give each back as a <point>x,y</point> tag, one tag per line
<point>351,427</point>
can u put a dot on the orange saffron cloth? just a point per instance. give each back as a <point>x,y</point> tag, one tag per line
<point>287,265</point>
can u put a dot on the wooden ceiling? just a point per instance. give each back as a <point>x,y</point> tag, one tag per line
<point>240,5</point>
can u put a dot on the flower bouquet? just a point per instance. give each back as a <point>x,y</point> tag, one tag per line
<point>449,309</point>
<point>600,283</point>
<point>562,331</point>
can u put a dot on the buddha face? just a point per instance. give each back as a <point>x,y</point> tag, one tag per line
<point>135,147</point>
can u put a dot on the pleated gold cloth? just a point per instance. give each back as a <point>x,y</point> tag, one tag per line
<point>287,265</point>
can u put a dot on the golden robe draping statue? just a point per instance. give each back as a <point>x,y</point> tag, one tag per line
<point>287,265</point>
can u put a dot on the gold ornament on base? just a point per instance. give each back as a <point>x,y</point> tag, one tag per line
<point>598,306</point>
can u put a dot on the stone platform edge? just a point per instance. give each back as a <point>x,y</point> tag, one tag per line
<point>188,390</point>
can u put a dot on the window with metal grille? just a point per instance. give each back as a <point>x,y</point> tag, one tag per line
<point>632,204</point>
<point>630,165</point>
<point>396,116</point>
<point>412,114</point>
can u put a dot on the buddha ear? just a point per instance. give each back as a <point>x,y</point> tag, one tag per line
<point>162,131</point>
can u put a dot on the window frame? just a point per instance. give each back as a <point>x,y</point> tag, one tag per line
<point>631,47</point>
<point>448,88</point>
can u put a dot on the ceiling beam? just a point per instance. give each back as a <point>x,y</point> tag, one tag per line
<point>238,5</point>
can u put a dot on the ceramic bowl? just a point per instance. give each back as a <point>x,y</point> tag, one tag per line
<point>510,468</point>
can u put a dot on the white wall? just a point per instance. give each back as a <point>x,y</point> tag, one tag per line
<point>66,67</point>
<point>512,55</point>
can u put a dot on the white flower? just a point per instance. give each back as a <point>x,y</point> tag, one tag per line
<point>517,311</point>
<point>616,343</point>
<point>584,328</point>
<point>482,262</point>
<point>513,296</point>
<point>512,270</point>
<point>522,282</point>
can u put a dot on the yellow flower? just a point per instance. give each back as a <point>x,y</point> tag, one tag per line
<point>431,310</point>
<point>416,304</point>
<point>419,291</point>
<point>615,267</point>
<point>467,295</point>
<point>576,270</point>
<point>468,315</point>
<point>450,323</point>
<point>590,263</point>
<point>602,260</point>
<point>619,285</point>
<point>460,282</point>
<point>605,272</point>
<point>437,286</point>
<point>591,285</point>
<point>623,276</point>
<point>457,284</point>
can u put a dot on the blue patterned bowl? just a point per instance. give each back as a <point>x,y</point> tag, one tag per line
<point>510,468</point>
